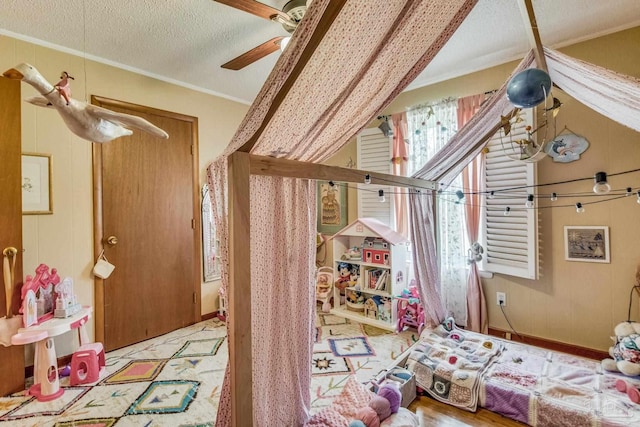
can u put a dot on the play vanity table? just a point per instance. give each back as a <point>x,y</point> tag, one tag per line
<point>46,383</point>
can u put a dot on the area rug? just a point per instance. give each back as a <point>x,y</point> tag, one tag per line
<point>175,379</point>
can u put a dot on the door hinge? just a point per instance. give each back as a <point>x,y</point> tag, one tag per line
<point>193,223</point>
<point>195,298</point>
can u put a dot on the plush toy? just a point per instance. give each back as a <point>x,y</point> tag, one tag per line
<point>380,407</point>
<point>625,353</point>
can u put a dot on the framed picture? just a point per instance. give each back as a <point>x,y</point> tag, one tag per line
<point>332,207</point>
<point>587,243</point>
<point>210,243</point>
<point>36,184</point>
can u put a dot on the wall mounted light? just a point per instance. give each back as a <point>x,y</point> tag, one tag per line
<point>601,186</point>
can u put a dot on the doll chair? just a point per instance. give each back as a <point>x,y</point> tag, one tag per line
<point>324,287</point>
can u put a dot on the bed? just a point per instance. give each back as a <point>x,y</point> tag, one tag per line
<point>535,386</point>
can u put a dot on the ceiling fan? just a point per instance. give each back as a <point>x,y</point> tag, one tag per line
<point>289,17</point>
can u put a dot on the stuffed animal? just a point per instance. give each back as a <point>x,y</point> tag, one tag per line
<point>625,353</point>
<point>380,407</point>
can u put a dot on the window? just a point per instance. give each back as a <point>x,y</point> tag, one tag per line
<point>430,128</point>
<point>509,241</point>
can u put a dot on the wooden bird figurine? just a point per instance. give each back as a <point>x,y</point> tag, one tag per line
<point>88,121</point>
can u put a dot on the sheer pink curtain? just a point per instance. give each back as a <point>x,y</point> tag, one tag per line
<point>471,181</point>
<point>400,158</point>
<point>444,167</point>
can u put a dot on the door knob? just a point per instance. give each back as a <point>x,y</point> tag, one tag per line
<point>112,240</point>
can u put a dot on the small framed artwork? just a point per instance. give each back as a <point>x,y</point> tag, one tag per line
<point>587,243</point>
<point>36,184</point>
<point>332,207</point>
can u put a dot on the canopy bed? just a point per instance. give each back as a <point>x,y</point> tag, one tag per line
<point>262,191</point>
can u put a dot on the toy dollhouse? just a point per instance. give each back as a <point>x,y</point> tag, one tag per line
<point>380,273</point>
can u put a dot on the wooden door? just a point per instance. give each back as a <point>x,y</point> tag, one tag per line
<point>11,358</point>
<point>146,196</point>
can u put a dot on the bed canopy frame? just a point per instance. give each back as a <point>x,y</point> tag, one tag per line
<point>254,151</point>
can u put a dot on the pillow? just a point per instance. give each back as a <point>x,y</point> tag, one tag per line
<point>327,417</point>
<point>353,397</point>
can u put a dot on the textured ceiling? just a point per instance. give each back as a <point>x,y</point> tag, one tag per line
<point>186,41</point>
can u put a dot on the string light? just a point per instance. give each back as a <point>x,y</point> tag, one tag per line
<point>492,194</point>
<point>507,211</point>
<point>579,207</point>
<point>460,195</point>
<point>638,193</point>
<point>554,197</point>
<point>601,185</point>
<point>629,191</point>
<point>367,179</point>
<point>529,202</point>
<point>331,184</point>
<point>381,196</point>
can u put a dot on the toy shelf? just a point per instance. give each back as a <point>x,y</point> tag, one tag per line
<point>371,292</point>
<point>364,264</point>
<point>372,258</point>
<point>358,317</point>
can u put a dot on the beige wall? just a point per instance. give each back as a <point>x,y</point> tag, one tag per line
<point>572,302</point>
<point>65,239</point>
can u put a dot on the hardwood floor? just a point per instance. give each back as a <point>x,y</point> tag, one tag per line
<point>434,413</point>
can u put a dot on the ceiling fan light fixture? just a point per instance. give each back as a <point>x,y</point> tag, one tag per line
<point>284,42</point>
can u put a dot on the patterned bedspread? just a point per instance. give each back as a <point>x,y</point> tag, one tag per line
<point>532,385</point>
<point>449,363</point>
<point>545,388</point>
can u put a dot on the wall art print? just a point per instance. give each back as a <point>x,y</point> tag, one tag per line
<point>587,243</point>
<point>332,207</point>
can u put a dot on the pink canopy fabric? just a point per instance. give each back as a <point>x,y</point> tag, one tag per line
<point>367,56</point>
<point>611,94</point>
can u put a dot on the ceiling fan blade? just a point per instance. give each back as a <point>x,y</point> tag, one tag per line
<point>254,54</point>
<point>253,7</point>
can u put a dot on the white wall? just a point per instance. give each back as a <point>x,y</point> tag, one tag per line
<point>64,240</point>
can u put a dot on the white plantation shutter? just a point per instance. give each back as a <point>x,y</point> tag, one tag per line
<point>374,154</point>
<point>510,242</point>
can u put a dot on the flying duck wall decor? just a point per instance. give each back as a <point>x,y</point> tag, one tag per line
<point>88,121</point>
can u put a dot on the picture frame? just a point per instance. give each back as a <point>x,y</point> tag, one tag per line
<point>210,244</point>
<point>36,184</point>
<point>332,207</point>
<point>587,243</point>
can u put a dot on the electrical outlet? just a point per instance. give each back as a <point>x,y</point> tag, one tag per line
<point>501,298</point>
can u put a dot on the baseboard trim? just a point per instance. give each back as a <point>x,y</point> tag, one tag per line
<point>589,353</point>
<point>209,316</point>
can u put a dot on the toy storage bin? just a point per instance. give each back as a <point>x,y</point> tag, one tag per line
<point>406,381</point>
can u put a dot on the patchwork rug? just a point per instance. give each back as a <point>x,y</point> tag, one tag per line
<point>175,380</point>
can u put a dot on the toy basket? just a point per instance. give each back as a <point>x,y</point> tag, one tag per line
<point>406,381</point>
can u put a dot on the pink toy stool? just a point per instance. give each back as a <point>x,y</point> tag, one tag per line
<point>86,363</point>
